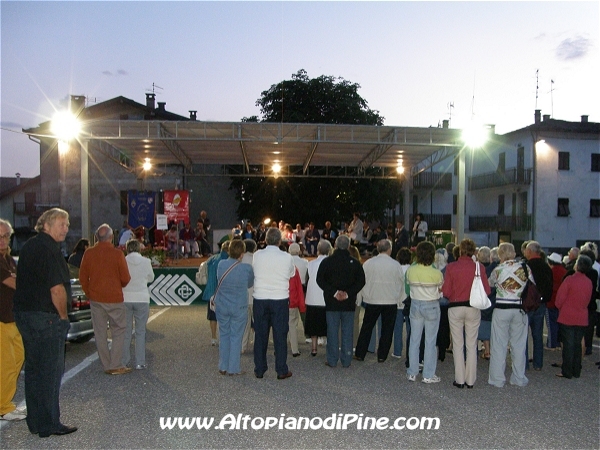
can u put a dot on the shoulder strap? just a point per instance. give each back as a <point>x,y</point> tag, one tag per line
<point>224,275</point>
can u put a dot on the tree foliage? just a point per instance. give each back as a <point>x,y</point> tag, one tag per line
<point>328,100</point>
<point>301,200</point>
<point>325,99</point>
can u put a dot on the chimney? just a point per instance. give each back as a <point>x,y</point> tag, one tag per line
<point>18,175</point>
<point>584,119</point>
<point>546,117</point>
<point>538,116</point>
<point>193,115</point>
<point>77,104</point>
<point>445,123</point>
<point>161,106</point>
<point>150,100</point>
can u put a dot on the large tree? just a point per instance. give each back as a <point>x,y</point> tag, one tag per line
<point>325,99</point>
<point>329,100</point>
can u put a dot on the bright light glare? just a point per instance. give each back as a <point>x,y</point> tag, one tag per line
<point>400,170</point>
<point>474,135</point>
<point>276,168</point>
<point>267,221</point>
<point>65,126</point>
<point>147,165</point>
<point>542,146</point>
<point>63,147</point>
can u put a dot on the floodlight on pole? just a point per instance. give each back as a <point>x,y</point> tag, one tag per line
<point>65,127</point>
<point>147,165</point>
<point>475,135</point>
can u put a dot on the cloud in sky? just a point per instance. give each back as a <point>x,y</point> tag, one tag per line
<point>573,48</point>
<point>120,72</point>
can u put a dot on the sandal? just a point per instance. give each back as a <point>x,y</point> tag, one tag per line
<point>313,351</point>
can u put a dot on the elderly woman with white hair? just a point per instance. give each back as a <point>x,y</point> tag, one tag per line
<point>136,297</point>
<point>509,322</point>
<point>316,318</point>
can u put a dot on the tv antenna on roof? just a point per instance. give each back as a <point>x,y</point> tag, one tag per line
<point>552,97</point>
<point>450,108</point>
<point>537,85</point>
<point>154,87</point>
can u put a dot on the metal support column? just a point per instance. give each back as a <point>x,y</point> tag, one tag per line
<point>460,197</point>
<point>85,191</point>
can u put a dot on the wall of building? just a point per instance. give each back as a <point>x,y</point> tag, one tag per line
<point>579,184</point>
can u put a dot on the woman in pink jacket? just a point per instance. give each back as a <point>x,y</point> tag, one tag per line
<point>572,301</point>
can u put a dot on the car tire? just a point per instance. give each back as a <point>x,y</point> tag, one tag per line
<point>82,339</point>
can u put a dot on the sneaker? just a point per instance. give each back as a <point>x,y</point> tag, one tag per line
<point>14,415</point>
<point>411,377</point>
<point>307,340</point>
<point>141,367</point>
<point>213,342</point>
<point>396,356</point>
<point>433,379</point>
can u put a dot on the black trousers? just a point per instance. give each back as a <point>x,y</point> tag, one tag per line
<point>571,336</point>
<point>388,320</point>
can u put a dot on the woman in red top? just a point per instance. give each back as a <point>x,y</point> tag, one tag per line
<point>572,301</point>
<point>464,319</point>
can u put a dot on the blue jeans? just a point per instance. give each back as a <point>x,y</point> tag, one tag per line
<point>335,319</point>
<point>424,316</point>
<point>44,337</point>
<point>536,323</point>
<point>138,311</point>
<point>398,330</point>
<point>552,324</point>
<point>232,322</point>
<point>269,314</point>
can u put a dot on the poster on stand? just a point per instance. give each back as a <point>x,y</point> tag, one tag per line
<point>177,206</point>
<point>141,208</point>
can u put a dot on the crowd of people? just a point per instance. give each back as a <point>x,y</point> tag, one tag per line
<point>426,289</point>
<point>261,284</point>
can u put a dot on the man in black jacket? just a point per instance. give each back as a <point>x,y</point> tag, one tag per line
<point>542,275</point>
<point>341,277</point>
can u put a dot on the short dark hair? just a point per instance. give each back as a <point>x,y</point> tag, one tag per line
<point>404,256</point>
<point>467,247</point>
<point>425,253</point>
<point>236,248</point>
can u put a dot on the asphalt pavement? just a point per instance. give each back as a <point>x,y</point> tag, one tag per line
<point>380,407</point>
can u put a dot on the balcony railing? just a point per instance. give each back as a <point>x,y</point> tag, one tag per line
<point>512,176</point>
<point>23,208</point>
<point>433,180</point>
<point>500,223</point>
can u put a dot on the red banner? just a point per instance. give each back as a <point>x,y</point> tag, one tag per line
<point>177,206</point>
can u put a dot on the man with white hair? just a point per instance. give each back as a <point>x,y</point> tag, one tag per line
<point>43,290</point>
<point>384,282</point>
<point>103,275</point>
<point>571,258</point>
<point>273,269</point>
<point>341,277</point>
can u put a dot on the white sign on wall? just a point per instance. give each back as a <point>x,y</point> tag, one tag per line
<point>161,222</point>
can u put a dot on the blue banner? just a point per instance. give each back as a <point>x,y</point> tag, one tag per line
<point>141,208</point>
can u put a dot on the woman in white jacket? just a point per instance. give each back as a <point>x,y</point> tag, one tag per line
<point>137,301</point>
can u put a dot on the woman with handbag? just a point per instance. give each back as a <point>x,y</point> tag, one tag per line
<point>464,319</point>
<point>231,307</point>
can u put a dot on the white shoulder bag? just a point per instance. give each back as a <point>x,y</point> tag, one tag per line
<point>478,298</point>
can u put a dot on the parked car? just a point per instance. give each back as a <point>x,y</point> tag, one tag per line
<point>79,311</point>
